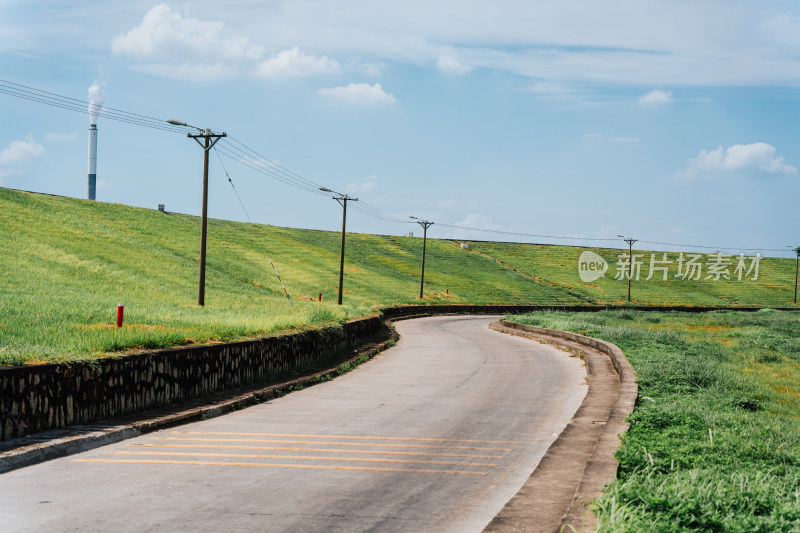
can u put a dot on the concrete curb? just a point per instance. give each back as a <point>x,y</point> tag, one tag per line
<point>40,447</point>
<point>581,461</point>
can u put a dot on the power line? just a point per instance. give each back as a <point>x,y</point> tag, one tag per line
<point>233,186</point>
<point>281,173</point>
<point>374,212</point>
<point>715,247</point>
<point>608,239</point>
<point>520,234</point>
<point>83,106</point>
<point>260,163</point>
<point>260,166</point>
<point>279,168</point>
<point>288,297</point>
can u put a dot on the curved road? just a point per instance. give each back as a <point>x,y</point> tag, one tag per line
<point>436,434</point>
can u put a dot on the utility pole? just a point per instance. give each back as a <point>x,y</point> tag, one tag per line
<point>796,264</point>
<point>206,145</point>
<point>425,225</point>
<point>342,199</point>
<point>630,242</point>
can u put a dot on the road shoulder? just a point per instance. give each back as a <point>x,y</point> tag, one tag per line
<point>581,461</point>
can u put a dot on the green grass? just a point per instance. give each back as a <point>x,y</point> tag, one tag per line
<point>67,263</point>
<point>714,441</point>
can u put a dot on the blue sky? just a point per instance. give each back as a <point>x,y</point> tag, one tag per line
<point>668,121</point>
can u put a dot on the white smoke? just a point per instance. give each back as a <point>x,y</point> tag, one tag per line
<point>96,99</point>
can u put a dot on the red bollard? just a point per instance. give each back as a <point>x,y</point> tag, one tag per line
<point>320,297</point>
<point>448,291</point>
<point>120,309</point>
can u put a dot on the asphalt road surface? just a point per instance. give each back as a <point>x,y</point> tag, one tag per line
<point>436,434</point>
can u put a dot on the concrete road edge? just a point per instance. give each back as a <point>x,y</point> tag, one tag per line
<point>576,467</point>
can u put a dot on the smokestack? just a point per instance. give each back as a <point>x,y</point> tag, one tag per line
<point>92,161</point>
<point>96,97</point>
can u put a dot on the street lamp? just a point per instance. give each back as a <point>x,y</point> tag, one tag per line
<point>425,225</point>
<point>796,262</point>
<point>630,242</point>
<point>342,199</point>
<point>207,135</point>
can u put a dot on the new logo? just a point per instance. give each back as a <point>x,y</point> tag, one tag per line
<point>591,266</point>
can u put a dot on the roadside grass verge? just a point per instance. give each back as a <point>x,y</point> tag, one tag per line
<point>714,440</point>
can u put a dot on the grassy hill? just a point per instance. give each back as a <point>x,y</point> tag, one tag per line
<point>557,266</point>
<point>67,263</point>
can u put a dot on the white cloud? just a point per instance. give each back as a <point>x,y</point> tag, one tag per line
<point>656,97</point>
<point>450,65</point>
<point>20,151</point>
<point>293,64</point>
<point>360,93</point>
<point>16,153</point>
<point>179,46</point>
<point>164,33</point>
<point>739,157</point>
<point>60,136</point>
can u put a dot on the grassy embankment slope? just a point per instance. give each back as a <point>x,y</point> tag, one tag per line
<point>714,442</point>
<point>66,263</point>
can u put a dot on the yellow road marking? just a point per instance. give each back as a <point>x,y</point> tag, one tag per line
<point>416,439</point>
<point>338,443</point>
<point>304,457</point>
<point>326,450</point>
<point>267,465</point>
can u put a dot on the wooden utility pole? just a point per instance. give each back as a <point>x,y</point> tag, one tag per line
<point>342,199</point>
<point>630,242</point>
<point>425,225</point>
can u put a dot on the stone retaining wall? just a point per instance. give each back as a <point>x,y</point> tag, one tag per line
<point>42,397</point>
